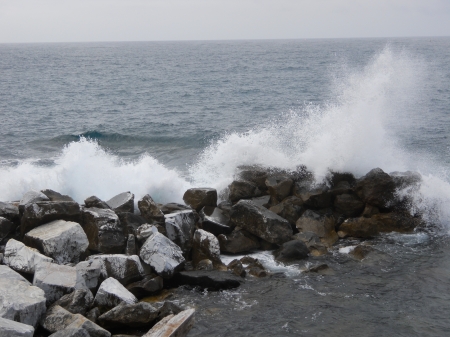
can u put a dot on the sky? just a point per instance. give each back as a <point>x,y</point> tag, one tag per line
<point>162,20</point>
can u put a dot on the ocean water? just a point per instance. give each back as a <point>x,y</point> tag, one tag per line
<point>159,117</point>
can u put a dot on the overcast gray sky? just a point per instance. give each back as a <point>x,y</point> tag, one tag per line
<point>147,20</point>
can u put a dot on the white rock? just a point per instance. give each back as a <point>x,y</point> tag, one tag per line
<point>91,272</point>
<point>205,245</point>
<point>180,228</point>
<point>162,254</point>
<point>8,273</point>
<point>144,231</point>
<point>22,258</point>
<point>123,202</point>
<point>10,328</point>
<point>64,241</point>
<point>32,196</point>
<point>111,293</point>
<point>173,326</point>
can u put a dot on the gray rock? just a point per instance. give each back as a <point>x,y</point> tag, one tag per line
<point>93,314</point>
<point>241,189</point>
<point>94,202</point>
<point>290,209</point>
<point>10,211</point>
<point>64,241</point>
<point>55,196</point>
<point>376,188</point>
<point>145,231</point>
<point>9,328</point>
<point>6,228</point>
<point>348,205</point>
<point>198,198</point>
<point>239,241</point>
<point>71,333</point>
<point>322,225</point>
<point>130,248</point>
<point>180,228</point>
<point>358,227</point>
<point>314,196</point>
<point>123,202</point>
<point>312,241</point>
<point>57,280</point>
<point>148,286</point>
<point>263,201</point>
<point>205,246</point>
<point>211,280</point>
<point>104,231</point>
<point>131,222</point>
<point>132,315</point>
<point>22,258</point>
<point>237,268</point>
<point>111,293</point>
<point>292,251</point>
<point>162,254</point>
<point>173,207</point>
<point>261,222</point>
<point>39,213</point>
<point>150,210</point>
<point>279,188</point>
<point>92,272</point>
<point>31,197</point>
<point>19,300</point>
<point>77,302</point>
<point>255,175</point>
<point>215,221</point>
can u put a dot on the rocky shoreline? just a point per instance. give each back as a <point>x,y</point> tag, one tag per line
<point>97,269</point>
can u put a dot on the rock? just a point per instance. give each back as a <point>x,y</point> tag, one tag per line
<point>205,264</point>
<point>91,272</point>
<point>263,201</point>
<point>205,246</point>
<point>104,231</point>
<point>239,241</point>
<point>22,258</point>
<point>42,212</point>
<point>145,231</point>
<point>123,202</point>
<point>241,189</point>
<point>406,180</point>
<point>55,196</point>
<point>148,286</point>
<point>395,222</point>
<point>31,197</point>
<point>7,228</point>
<point>210,280</point>
<point>93,314</point>
<point>215,221</point>
<point>111,293</point>
<point>358,228</point>
<point>176,326</point>
<point>94,202</point>
<point>226,205</point>
<point>162,254</point>
<point>314,196</point>
<point>198,198</point>
<point>291,251</point>
<point>360,252</point>
<point>173,207</point>
<point>150,210</point>
<point>180,228</point>
<point>370,210</point>
<point>58,318</point>
<point>343,187</point>
<point>125,269</point>
<point>255,175</point>
<point>131,222</point>
<point>261,222</point>
<point>64,241</point>
<point>237,268</point>
<point>77,302</point>
<point>71,333</point>
<point>348,205</point>
<point>19,300</point>
<point>56,280</point>
<point>312,241</point>
<point>9,328</point>
<point>10,211</point>
<point>290,209</point>
<point>376,188</point>
<point>321,269</point>
<point>322,225</point>
<point>130,248</point>
<point>279,187</point>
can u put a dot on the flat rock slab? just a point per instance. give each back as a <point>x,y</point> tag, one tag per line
<point>64,241</point>
<point>111,293</point>
<point>123,202</point>
<point>211,280</point>
<point>10,328</point>
<point>22,258</point>
<point>173,326</point>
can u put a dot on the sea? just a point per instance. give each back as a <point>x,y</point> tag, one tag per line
<point>161,117</point>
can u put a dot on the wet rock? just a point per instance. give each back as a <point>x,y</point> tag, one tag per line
<point>406,180</point>
<point>322,225</point>
<point>358,228</point>
<point>55,196</point>
<point>215,221</point>
<point>257,272</point>
<point>237,268</point>
<point>205,246</point>
<point>9,328</point>
<point>131,222</point>
<point>312,241</point>
<point>130,248</point>
<point>93,314</point>
<point>123,202</point>
<point>226,206</point>
<point>94,202</point>
<point>77,302</point>
<point>104,231</point>
<point>145,231</point>
<point>111,293</point>
<point>279,188</point>
<point>148,286</point>
<point>370,210</point>
<point>321,269</point>
<point>256,176</point>
<point>261,222</point>
<point>360,252</point>
<point>9,211</point>
<point>211,280</point>
<point>57,319</point>
<point>64,241</point>
<point>31,197</point>
<point>376,188</point>
<point>291,251</point>
<point>91,272</point>
<point>22,258</point>
<point>253,266</point>
<point>197,198</point>
<point>343,187</point>
<point>241,189</point>
<point>162,254</point>
<point>71,333</point>
<point>263,201</point>
<point>7,228</point>
<point>173,326</point>
<point>39,213</point>
<point>290,209</point>
<point>349,205</point>
<point>205,264</point>
<point>180,228</point>
<point>150,210</point>
<point>19,301</point>
<point>395,222</point>
<point>173,207</point>
<point>239,241</point>
<point>316,197</point>
<point>56,280</point>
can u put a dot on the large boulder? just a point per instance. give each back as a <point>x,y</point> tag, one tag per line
<point>314,196</point>
<point>290,209</point>
<point>77,302</point>
<point>239,241</point>
<point>197,198</point>
<point>56,196</point>
<point>205,246</point>
<point>19,300</point>
<point>162,254</point>
<point>7,228</point>
<point>57,280</point>
<point>147,286</point>
<point>180,228</point>
<point>111,293</point>
<point>64,241</point>
<point>123,202</point>
<point>10,211</point>
<point>94,202</point>
<point>210,280</point>
<point>92,272</point>
<point>9,328</point>
<point>322,225</point>
<point>348,205</point>
<point>38,213</point>
<point>279,187</point>
<point>241,189</point>
<point>22,258</point>
<point>131,222</point>
<point>104,231</point>
<point>261,222</point>
<point>292,251</point>
<point>255,175</point>
<point>376,188</point>
<point>150,210</point>
<point>358,227</point>
<point>173,326</point>
<point>215,220</point>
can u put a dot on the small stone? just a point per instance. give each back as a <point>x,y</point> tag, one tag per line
<point>123,202</point>
<point>111,293</point>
